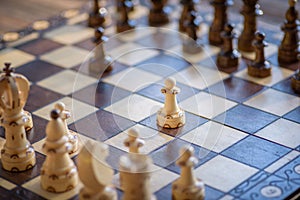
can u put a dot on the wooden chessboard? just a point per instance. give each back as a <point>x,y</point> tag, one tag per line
<point>245,130</point>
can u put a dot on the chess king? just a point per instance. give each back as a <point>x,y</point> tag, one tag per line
<point>17,153</point>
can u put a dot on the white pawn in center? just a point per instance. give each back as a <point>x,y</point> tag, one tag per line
<point>171,115</point>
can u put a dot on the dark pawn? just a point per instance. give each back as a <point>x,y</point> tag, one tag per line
<point>220,19</point>
<point>250,11</point>
<point>159,13</point>
<point>295,81</point>
<point>260,67</point>
<point>290,48</point>
<point>97,16</point>
<point>100,62</point>
<point>187,7</point>
<point>123,22</point>
<point>228,58</point>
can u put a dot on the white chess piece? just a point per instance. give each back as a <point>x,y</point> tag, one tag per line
<point>133,142</point>
<point>171,115</point>
<point>187,186</point>
<point>58,173</point>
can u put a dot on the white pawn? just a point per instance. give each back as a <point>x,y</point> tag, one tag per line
<point>95,173</point>
<point>133,142</point>
<point>58,173</point>
<point>171,115</point>
<point>187,186</point>
<point>64,115</point>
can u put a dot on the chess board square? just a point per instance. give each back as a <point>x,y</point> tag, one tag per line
<point>20,192</point>
<point>214,136</point>
<point>20,178</point>
<point>136,34</point>
<point>192,121</point>
<point>15,57</point>
<point>78,109</point>
<point>70,34</point>
<point>101,125</point>
<point>100,94</point>
<point>166,65</point>
<point>278,74</point>
<point>294,115</point>
<point>207,105</point>
<point>38,131</point>
<point>34,186</point>
<point>246,119</point>
<point>71,80</point>
<point>283,132</point>
<point>291,171</point>
<point>6,184</point>
<point>153,139</point>
<point>232,173</point>
<point>131,54</point>
<point>285,86</point>
<point>66,57</point>
<point>274,102</point>
<point>199,77</point>
<point>256,152</point>
<point>132,79</point>
<point>235,89</point>
<point>134,107</point>
<point>39,46</point>
<point>38,70</point>
<point>153,92</point>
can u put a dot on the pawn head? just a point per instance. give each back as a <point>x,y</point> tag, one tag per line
<point>292,3</point>
<point>60,106</point>
<point>54,114</point>
<point>170,83</point>
<point>229,28</point>
<point>133,133</point>
<point>259,36</point>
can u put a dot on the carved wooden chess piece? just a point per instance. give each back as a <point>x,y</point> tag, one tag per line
<point>159,13</point>
<point>188,6</point>
<point>97,16</point>
<point>260,67</point>
<point>171,115</point>
<point>228,58</point>
<point>123,21</point>
<point>250,11</point>
<point>290,45</point>
<point>133,142</point>
<point>295,81</point>
<point>220,19</point>
<point>17,153</point>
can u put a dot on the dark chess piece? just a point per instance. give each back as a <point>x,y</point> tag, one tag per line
<point>187,7</point>
<point>129,4</point>
<point>192,44</point>
<point>159,13</point>
<point>290,46</point>
<point>123,22</point>
<point>228,58</point>
<point>295,81</point>
<point>219,22</point>
<point>260,67</point>
<point>100,62</point>
<point>97,16</point>
<point>250,11</point>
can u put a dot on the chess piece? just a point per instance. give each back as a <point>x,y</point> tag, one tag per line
<point>123,21</point>
<point>100,62</point>
<point>187,186</point>
<point>135,176</point>
<point>133,142</point>
<point>192,44</point>
<point>58,172</point>
<point>72,136</point>
<point>17,153</point>
<point>159,13</point>
<point>250,11</point>
<point>295,81</point>
<point>129,3</point>
<point>260,67</point>
<point>219,22</point>
<point>188,7</point>
<point>171,115</point>
<point>290,45</point>
<point>97,16</point>
<point>95,174</point>
<point>228,58</point>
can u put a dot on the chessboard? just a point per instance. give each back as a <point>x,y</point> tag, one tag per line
<point>245,130</point>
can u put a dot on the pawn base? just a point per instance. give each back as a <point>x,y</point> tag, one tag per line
<point>228,60</point>
<point>259,70</point>
<point>192,47</point>
<point>170,121</point>
<point>158,17</point>
<point>18,162</point>
<point>122,27</point>
<point>295,82</point>
<point>195,191</point>
<point>108,193</point>
<point>96,20</point>
<point>287,56</point>
<point>101,65</point>
<point>59,183</point>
